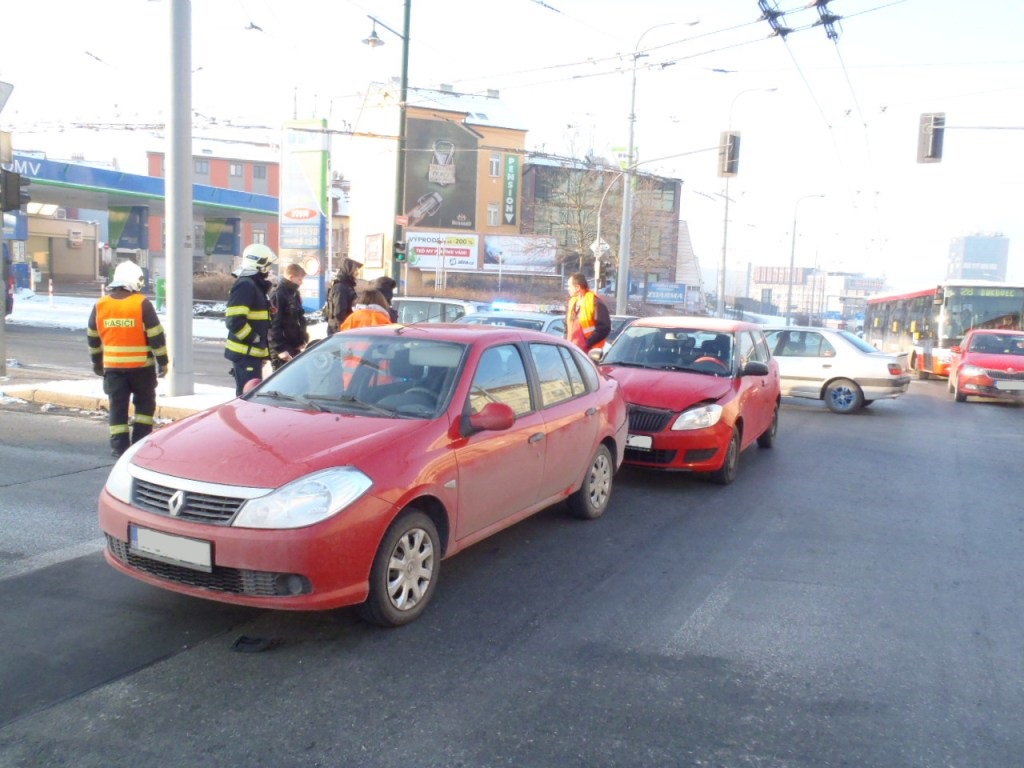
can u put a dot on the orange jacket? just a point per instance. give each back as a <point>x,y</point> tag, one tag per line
<point>587,322</point>
<point>121,332</point>
<point>364,315</point>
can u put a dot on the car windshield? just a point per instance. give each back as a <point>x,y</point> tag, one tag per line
<point>997,344</point>
<point>678,349</point>
<point>857,341</point>
<point>381,376</point>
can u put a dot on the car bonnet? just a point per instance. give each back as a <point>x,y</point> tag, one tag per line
<point>676,390</point>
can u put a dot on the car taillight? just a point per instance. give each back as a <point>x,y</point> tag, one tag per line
<point>895,369</point>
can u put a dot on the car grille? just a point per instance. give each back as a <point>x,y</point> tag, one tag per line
<point>231,580</point>
<point>647,419</point>
<point>198,507</point>
<point>1004,376</point>
<point>649,457</point>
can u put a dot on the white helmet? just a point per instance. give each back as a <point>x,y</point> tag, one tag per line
<point>127,275</point>
<point>256,258</point>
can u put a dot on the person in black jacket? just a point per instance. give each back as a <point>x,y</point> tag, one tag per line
<point>342,294</point>
<point>288,334</point>
<point>386,285</point>
<point>248,316</point>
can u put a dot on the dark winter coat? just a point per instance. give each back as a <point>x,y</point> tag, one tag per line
<point>287,319</point>
<point>342,295</point>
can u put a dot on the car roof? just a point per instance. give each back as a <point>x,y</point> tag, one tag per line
<point>515,313</point>
<point>444,299</point>
<point>768,328</point>
<point>463,333</point>
<point>697,322</point>
<point>999,331</point>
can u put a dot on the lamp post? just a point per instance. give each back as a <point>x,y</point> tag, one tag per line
<point>374,41</point>
<point>725,223</point>
<point>597,246</point>
<point>792,258</point>
<point>622,287</point>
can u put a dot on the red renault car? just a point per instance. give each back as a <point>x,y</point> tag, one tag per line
<point>988,363</point>
<point>350,473</point>
<point>700,391</point>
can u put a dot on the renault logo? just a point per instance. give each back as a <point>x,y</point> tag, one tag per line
<point>175,503</point>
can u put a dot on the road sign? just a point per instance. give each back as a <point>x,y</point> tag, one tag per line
<point>402,221</point>
<point>603,247</point>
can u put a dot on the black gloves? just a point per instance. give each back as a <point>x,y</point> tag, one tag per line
<point>97,368</point>
<point>161,371</point>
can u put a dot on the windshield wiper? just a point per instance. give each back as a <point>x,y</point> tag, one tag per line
<point>352,400</point>
<point>277,395</point>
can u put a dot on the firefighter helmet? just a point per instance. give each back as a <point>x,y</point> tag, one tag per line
<point>256,258</point>
<point>127,275</point>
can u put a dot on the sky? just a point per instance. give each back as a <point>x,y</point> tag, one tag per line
<point>818,115</point>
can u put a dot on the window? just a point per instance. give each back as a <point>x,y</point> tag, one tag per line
<point>495,165</point>
<point>501,378</point>
<point>235,169</point>
<point>557,384</point>
<point>259,171</point>
<point>202,167</point>
<point>493,215</point>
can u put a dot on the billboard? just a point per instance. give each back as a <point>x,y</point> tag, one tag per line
<point>520,254</point>
<point>440,250</point>
<point>440,174</point>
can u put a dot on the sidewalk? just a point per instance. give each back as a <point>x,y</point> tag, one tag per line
<point>72,312</point>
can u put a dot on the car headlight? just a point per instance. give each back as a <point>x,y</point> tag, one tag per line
<point>972,370</point>
<point>305,501</point>
<point>701,417</point>
<point>119,481</point>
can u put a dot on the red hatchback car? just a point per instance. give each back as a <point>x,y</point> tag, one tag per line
<point>350,473</point>
<point>988,363</point>
<point>700,390</point>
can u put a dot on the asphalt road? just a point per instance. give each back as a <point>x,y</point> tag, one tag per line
<point>853,599</point>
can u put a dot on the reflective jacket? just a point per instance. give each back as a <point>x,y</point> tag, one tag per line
<point>125,332</point>
<point>587,322</point>
<point>248,318</point>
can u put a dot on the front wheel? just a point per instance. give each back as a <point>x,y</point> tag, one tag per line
<point>959,396</point>
<point>843,396</point>
<point>405,571</point>
<point>727,472</point>
<point>591,500</point>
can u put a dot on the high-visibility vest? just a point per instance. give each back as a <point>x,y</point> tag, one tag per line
<point>123,332</point>
<point>581,319</point>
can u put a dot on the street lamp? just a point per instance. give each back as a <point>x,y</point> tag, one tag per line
<point>622,287</point>
<point>373,40</point>
<point>792,257</point>
<point>725,224</point>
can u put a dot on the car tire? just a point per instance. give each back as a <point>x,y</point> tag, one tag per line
<point>767,438</point>
<point>866,403</point>
<point>958,396</point>
<point>591,500</point>
<point>843,396</point>
<point>727,472</point>
<point>405,571</point>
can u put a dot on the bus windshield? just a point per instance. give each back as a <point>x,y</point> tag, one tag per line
<point>965,308</point>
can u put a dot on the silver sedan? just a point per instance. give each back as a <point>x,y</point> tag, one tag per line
<point>835,366</point>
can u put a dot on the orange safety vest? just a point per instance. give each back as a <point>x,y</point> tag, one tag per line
<point>122,332</point>
<point>580,320</point>
<point>362,318</point>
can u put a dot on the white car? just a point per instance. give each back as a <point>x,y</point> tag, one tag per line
<point>434,309</point>
<point>835,366</point>
<point>547,322</point>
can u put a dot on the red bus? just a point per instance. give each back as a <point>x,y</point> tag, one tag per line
<point>926,324</point>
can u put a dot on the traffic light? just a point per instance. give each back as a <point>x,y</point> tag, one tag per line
<point>11,191</point>
<point>399,250</point>
<point>929,137</point>
<point>729,154</point>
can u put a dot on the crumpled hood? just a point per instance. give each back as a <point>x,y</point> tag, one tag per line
<point>676,390</point>
<point>243,443</point>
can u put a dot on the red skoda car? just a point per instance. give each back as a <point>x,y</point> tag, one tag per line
<point>350,473</point>
<point>700,390</point>
<point>988,363</point>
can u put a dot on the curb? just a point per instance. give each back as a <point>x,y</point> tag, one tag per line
<point>84,402</point>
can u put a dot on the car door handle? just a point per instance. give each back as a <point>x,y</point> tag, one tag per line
<point>591,411</point>
<point>536,437</point>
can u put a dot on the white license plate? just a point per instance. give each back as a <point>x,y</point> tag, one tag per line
<point>176,550</point>
<point>643,442</point>
<point>1010,385</point>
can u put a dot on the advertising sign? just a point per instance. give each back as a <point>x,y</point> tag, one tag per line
<point>437,250</point>
<point>520,254</point>
<point>304,185</point>
<point>440,178</point>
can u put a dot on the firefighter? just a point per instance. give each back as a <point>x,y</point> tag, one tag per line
<point>587,321</point>
<point>248,316</point>
<point>129,351</point>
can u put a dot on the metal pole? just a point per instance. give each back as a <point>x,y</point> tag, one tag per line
<point>178,193</point>
<point>792,259</point>
<point>398,234</point>
<point>622,282</point>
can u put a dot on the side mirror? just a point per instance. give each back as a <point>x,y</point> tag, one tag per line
<point>755,368</point>
<point>597,354</point>
<point>493,417</point>
<point>955,349</point>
